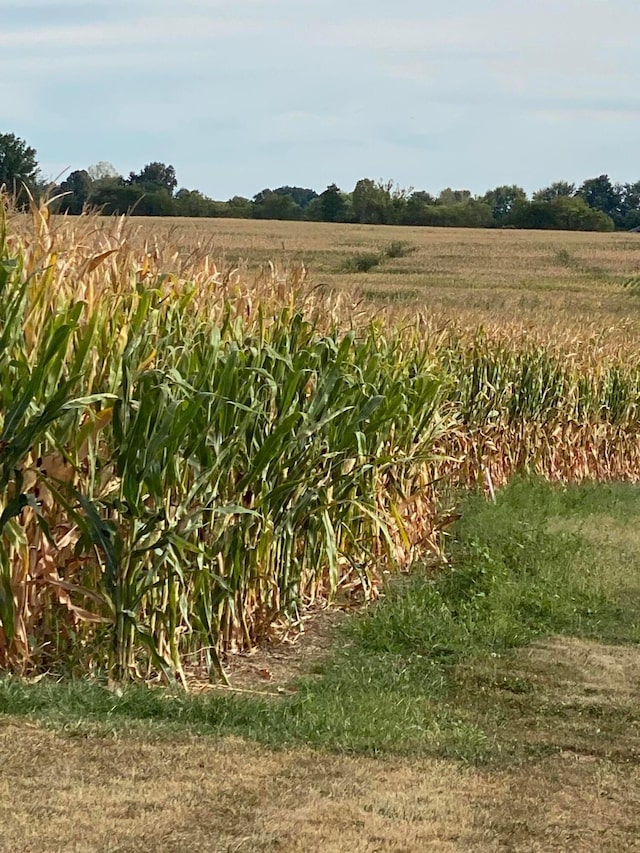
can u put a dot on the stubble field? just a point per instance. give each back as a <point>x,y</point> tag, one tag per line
<point>537,279</point>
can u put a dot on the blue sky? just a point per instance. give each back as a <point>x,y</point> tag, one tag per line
<point>243,94</point>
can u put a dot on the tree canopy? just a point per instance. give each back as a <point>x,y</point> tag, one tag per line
<point>598,204</point>
<point>156,177</point>
<point>18,164</point>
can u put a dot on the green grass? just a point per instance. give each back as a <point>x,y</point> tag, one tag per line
<point>432,668</point>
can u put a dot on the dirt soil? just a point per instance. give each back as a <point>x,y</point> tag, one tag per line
<point>273,667</point>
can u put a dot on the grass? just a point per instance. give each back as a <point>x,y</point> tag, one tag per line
<point>198,794</point>
<point>362,262</point>
<point>438,666</point>
<point>366,261</point>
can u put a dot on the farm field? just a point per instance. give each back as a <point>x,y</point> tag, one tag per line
<point>211,430</point>
<point>539,279</point>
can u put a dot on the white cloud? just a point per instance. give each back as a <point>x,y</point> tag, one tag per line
<point>148,30</point>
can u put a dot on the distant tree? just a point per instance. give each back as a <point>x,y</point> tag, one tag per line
<point>77,189</point>
<point>379,202</point>
<point>103,169</point>
<point>18,164</point>
<point>331,205</point>
<point>629,206</point>
<point>370,203</point>
<point>193,203</point>
<point>240,207</point>
<point>533,214</point>
<point>156,176</point>
<point>152,203</point>
<point>423,196</point>
<point>449,196</point>
<point>268,204</point>
<point>472,213</point>
<point>116,196</point>
<point>567,213</point>
<point>418,209</point>
<point>502,199</point>
<point>558,189</point>
<point>574,214</point>
<point>601,194</point>
<point>302,196</point>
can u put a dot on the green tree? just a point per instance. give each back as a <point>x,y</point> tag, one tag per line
<point>193,203</point>
<point>502,200</point>
<point>601,194</point>
<point>449,196</point>
<point>419,209</point>
<point>268,204</point>
<point>565,213</point>
<point>629,206</point>
<point>77,190</point>
<point>18,164</point>
<point>331,205</point>
<point>301,195</point>
<point>156,176</point>
<point>559,189</point>
<point>370,203</point>
<point>576,215</point>
<point>379,202</point>
<point>240,207</point>
<point>116,196</point>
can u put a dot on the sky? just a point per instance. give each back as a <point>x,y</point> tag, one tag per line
<point>240,95</point>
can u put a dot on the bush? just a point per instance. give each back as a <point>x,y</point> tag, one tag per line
<point>362,262</point>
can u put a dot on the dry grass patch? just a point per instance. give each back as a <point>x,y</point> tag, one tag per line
<point>568,802</point>
<point>563,696</point>
<point>59,793</point>
<point>586,672</point>
<point>94,794</point>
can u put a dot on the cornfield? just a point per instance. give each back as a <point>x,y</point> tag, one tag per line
<point>189,454</point>
<point>185,460</point>
<point>526,406</point>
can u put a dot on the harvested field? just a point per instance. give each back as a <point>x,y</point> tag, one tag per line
<point>541,279</point>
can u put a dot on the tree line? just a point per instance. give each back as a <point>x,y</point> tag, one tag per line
<point>597,204</point>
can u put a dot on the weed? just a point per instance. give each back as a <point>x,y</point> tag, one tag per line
<point>398,249</point>
<point>362,262</point>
